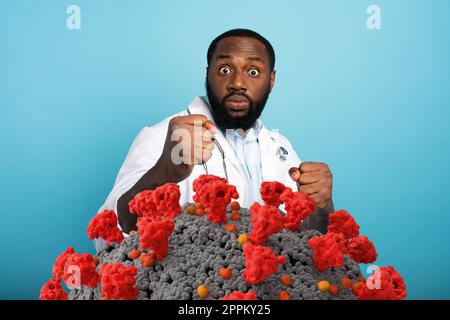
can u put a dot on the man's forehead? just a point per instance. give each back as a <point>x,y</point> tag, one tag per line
<point>240,47</point>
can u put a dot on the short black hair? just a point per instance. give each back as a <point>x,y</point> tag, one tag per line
<point>243,33</point>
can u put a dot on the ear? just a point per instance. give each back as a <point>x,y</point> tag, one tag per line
<point>272,79</point>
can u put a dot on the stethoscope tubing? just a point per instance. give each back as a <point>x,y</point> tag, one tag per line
<point>222,153</point>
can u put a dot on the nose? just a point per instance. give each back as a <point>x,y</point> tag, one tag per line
<point>237,83</point>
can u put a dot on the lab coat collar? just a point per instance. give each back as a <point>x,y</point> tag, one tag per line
<point>199,106</point>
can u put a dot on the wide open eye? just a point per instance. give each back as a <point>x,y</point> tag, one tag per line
<point>224,70</point>
<point>253,72</point>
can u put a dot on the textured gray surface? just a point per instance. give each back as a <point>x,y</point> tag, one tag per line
<point>198,249</point>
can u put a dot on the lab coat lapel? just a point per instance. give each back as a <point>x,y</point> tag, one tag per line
<point>269,161</point>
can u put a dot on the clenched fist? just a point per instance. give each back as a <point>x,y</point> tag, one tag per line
<point>314,179</point>
<point>188,142</point>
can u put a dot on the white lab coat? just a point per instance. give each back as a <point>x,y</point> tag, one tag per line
<point>148,145</point>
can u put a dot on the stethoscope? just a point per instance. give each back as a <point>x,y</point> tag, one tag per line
<point>222,153</point>
<point>281,153</point>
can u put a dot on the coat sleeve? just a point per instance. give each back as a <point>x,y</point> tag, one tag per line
<point>142,156</point>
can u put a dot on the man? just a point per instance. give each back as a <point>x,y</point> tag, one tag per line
<point>223,135</point>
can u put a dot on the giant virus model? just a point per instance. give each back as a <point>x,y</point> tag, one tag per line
<point>214,249</point>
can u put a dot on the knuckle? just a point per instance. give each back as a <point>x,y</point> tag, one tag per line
<point>172,123</point>
<point>175,120</point>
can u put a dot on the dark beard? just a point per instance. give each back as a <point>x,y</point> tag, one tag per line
<point>223,119</point>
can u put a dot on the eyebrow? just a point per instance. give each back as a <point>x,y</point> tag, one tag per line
<point>227,56</point>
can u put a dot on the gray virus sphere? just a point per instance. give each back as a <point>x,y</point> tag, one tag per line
<point>198,249</point>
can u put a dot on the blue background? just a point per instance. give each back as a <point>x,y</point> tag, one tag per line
<point>374,105</point>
